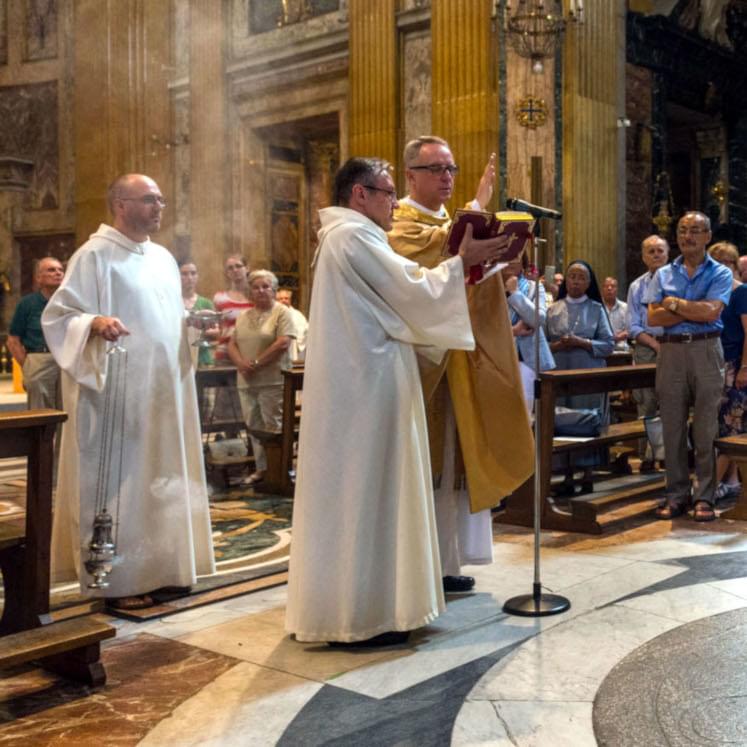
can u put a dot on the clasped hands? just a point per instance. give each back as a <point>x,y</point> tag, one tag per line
<point>567,342</point>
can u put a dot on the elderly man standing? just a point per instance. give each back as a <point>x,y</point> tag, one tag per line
<point>41,375</point>
<point>654,253</point>
<point>476,405</point>
<point>686,297</point>
<point>122,287</point>
<point>364,565</point>
<point>616,311</point>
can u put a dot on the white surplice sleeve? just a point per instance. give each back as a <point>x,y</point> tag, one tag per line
<point>415,305</point>
<point>67,318</point>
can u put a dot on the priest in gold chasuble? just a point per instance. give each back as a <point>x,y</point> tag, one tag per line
<point>480,391</point>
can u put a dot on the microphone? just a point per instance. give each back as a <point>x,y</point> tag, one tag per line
<point>536,210</point>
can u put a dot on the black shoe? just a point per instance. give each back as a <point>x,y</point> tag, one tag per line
<point>458,583</point>
<point>392,638</point>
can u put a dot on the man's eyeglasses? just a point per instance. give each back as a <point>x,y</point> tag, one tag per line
<point>685,230</point>
<point>146,200</point>
<point>389,192</point>
<point>438,169</point>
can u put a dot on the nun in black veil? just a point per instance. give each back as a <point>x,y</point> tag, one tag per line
<point>580,336</point>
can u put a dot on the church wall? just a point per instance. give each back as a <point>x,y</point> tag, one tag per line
<point>638,165</point>
<point>593,66</point>
<point>36,115</point>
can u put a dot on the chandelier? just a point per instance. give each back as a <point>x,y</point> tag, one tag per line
<point>536,27</point>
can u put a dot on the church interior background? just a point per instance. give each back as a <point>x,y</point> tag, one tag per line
<point>242,110</point>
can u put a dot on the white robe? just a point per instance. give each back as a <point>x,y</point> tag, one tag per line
<point>164,534</point>
<point>364,554</point>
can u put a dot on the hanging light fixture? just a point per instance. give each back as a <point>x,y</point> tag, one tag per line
<point>536,27</point>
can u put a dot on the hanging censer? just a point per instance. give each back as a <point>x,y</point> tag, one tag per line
<point>103,545</point>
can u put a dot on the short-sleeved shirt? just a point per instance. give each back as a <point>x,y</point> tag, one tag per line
<point>254,332</point>
<point>637,316</point>
<point>710,282</point>
<point>732,336</point>
<point>26,323</point>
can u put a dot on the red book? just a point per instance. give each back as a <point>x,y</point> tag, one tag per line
<point>517,226</point>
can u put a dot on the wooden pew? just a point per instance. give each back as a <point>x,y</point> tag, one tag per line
<point>73,648</point>
<point>292,383</point>
<point>735,447</point>
<point>585,512</point>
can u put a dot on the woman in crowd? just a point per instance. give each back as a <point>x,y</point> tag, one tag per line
<point>194,302</point>
<point>259,349</point>
<point>732,416</point>
<point>231,301</point>
<point>520,292</point>
<point>580,336</point>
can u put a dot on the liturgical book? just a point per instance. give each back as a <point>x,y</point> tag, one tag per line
<point>516,226</point>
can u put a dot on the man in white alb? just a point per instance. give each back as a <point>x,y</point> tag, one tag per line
<point>121,287</point>
<point>364,566</point>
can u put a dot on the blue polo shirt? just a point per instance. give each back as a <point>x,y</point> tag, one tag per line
<point>710,282</point>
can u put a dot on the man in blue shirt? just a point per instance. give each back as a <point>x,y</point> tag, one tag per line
<point>686,297</point>
<point>654,253</point>
<point>41,375</point>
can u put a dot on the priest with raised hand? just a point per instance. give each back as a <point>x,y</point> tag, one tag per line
<point>482,447</point>
<point>364,565</point>
<point>123,288</point>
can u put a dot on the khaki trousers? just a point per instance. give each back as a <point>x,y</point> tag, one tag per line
<point>41,379</point>
<point>646,402</point>
<point>690,374</point>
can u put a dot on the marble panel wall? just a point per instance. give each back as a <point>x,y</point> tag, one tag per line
<point>30,130</point>
<point>40,38</point>
<point>638,165</point>
<point>416,86</point>
<point>3,32</point>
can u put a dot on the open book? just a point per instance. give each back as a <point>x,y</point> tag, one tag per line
<point>516,226</point>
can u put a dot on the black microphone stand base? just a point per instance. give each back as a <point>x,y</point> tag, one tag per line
<point>536,604</point>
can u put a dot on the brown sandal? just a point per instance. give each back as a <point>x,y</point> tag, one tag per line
<point>670,511</point>
<point>139,602</point>
<point>703,511</point>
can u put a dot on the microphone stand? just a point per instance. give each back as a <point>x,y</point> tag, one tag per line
<point>537,604</point>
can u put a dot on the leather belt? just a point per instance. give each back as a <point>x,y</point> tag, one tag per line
<point>42,350</point>
<point>688,337</point>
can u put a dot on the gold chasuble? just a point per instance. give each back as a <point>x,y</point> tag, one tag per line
<point>495,434</point>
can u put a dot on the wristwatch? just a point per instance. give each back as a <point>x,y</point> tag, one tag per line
<point>673,304</point>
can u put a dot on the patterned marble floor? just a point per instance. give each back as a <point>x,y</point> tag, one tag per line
<point>645,603</point>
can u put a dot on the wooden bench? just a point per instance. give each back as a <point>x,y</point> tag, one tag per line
<point>25,632</point>
<point>591,512</point>
<point>292,383</point>
<point>735,447</point>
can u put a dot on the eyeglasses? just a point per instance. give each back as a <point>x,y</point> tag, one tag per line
<point>389,192</point>
<point>146,200</point>
<point>686,230</point>
<point>438,169</point>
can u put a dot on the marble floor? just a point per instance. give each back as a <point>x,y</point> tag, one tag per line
<point>651,652</point>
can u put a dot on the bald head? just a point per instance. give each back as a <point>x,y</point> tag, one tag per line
<point>136,203</point>
<point>48,275</point>
<point>743,269</point>
<point>654,252</point>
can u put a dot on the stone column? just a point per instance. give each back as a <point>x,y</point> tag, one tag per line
<point>210,177</point>
<point>374,79</point>
<point>593,163</point>
<point>122,114</point>
<point>465,102</point>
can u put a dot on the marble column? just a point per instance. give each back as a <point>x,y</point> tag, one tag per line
<point>374,79</point>
<point>122,112</point>
<point>465,102</point>
<point>593,144</point>
<point>210,177</point>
